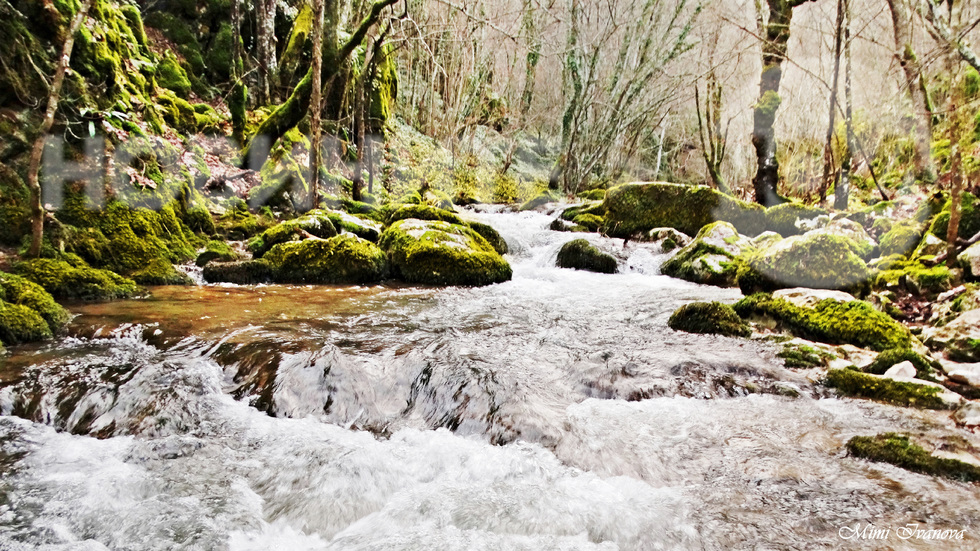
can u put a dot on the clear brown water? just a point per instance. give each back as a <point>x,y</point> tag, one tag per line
<point>555,411</point>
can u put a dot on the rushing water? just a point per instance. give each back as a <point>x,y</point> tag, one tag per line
<point>555,411</point>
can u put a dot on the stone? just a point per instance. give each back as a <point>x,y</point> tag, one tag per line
<point>853,231</point>
<point>959,339</point>
<point>808,298</point>
<point>930,246</point>
<point>968,374</point>
<point>970,261</point>
<point>668,238</point>
<point>904,370</point>
<point>710,258</point>
<point>968,414</point>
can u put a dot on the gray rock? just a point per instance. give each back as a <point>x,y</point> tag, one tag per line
<point>970,261</point>
<point>903,370</point>
<point>968,374</point>
<point>968,414</point>
<point>930,246</point>
<point>959,339</point>
<point>808,298</point>
<point>852,230</point>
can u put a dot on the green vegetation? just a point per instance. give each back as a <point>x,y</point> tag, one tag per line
<point>579,254</point>
<point>709,317</point>
<point>803,356</point>
<point>425,212</point>
<point>830,321</point>
<point>849,382</point>
<point>816,261</point>
<point>899,450</point>
<point>16,290</point>
<point>924,367</point>
<point>491,235</point>
<point>782,219</point>
<point>75,280</point>
<point>216,251</point>
<point>346,259</point>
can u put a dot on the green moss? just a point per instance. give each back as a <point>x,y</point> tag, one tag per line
<point>491,235</point>
<point>237,105</point>
<point>830,321</point>
<point>593,195</point>
<point>899,450</point>
<point>199,220</point>
<point>19,324</point>
<point>18,290</point>
<point>803,356</point>
<point>579,254</point>
<point>541,199</point>
<point>902,238</point>
<point>590,221</point>
<point>425,212</point>
<point>709,317</point>
<point>707,259</point>
<point>171,75</point>
<point>769,103</point>
<point>312,224</point>
<point>782,218</point>
<point>178,113</point>
<point>924,367</point>
<point>160,272</point>
<point>342,259</point>
<point>298,46</point>
<point>238,223</point>
<point>816,261</point>
<point>632,209</point>
<point>914,277</point>
<point>76,281</point>
<point>216,251</point>
<point>247,272</point>
<point>969,218</point>
<point>594,208</point>
<point>441,253</point>
<point>861,385</point>
<point>218,56</point>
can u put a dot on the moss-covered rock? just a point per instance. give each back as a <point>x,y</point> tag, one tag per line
<point>441,253</point>
<point>238,223</point>
<point>315,224</point>
<point>636,208</point>
<point>358,225</point>
<point>866,245</point>
<point>246,272</point>
<point>564,226</point>
<point>830,321</point>
<point>592,195</point>
<point>959,339</point>
<point>20,324</point>
<point>710,257</point>
<point>76,281</point>
<point>914,278</point>
<point>171,75</point>
<point>924,367</point>
<point>579,254</point>
<point>849,382</point>
<point>491,235</point>
<point>541,200</point>
<point>709,317</point>
<point>801,356</point>
<point>902,238</point>
<point>425,212</point>
<point>899,450</point>
<point>816,261</point>
<point>593,208</point>
<point>785,219</point>
<point>969,218</point>
<point>19,291</point>
<point>344,259</point>
<point>160,272</point>
<point>216,251</point>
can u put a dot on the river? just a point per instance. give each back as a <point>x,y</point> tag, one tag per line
<point>554,411</point>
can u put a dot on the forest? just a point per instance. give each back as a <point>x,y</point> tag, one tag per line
<point>700,273</point>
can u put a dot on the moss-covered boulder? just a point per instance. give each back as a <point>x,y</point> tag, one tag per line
<point>959,339</point>
<point>913,277</point>
<point>709,317</point>
<point>579,254</point>
<point>20,324</point>
<point>786,219</point>
<point>849,382</point>
<point>343,259</point>
<point>829,321</point>
<point>76,280</point>
<point>245,272</point>
<point>925,368</point>
<point>902,238</point>
<point>593,208</point>
<point>541,200</point>
<point>802,356</point>
<point>359,225</point>
<point>866,245</point>
<point>216,251</point>
<point>969,261</point>
<point>441,253</point>
<point>899,450</point>
<point>315,224</point>
<point>487,232</point>
<point>669,239</point>
<point>565,226</point>
<point>633,209</point>
<point>160,272</point>
<point>592,195</point>
<point>969,218</point>
<point>710,257</point>
<point>17,290</point>
<point>816,261</point>
<point>425,212</point>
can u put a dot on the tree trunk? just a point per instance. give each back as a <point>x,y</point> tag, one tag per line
<point>956,192</point>
<point>266,48</point>
<point>902,24</point>
<point>239,94</point>
<point>316,104</point>
<point>37,151</point>
<point>843,191</point>
<point>828,152</point>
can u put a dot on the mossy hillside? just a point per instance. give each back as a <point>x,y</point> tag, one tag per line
<point>925,368</point>
<point>424,212</point>
<point>441,253</point>
<point>312,224</point>
<point>636,208</point>
<point>76,280</point>
<point>830,321</point>
<point>17,290</point>
<point>849,382</point>
<point>579,254</point>
<point>345,259</point>
<point>709,317</point>
<point>801,356</point>
<point>815,261</point>
<point>899,450</point>
<point>783,219</point>
<point>493,237</point>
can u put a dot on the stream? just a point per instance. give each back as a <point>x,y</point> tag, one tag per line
<point>554,411</point>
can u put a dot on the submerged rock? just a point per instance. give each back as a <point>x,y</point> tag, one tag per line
<point>579,254</point>
<point>441,253</point>
<point>709,317</point>
<point>710,257</point>
<point>959,339</point>
<point>633,209</point>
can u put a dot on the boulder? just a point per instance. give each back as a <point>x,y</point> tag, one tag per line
<point>930,246</point>
<point>815,261</point>
<point>710,257</point>
<point>787,218</point>
<point>893,390</point>
<point>709,317</point>
<point>579,254</point>
<point>967,374</point>
<point>563,225</point>
<point>808,298</point>
<point>487,232</point>
<point>342,259</point>
<point>425,212</point>
<point>970,262</point>
<point>636,208</point>
<point>903,370</point>
<point>668,238</point>
<point>541,200</point>
<point>851,230</point>
<point>959,339</point>
<point>313,224</point>
<point>902,238</point>
<point>22,304</point>
<point>357,225</point>
<point>76,280</point>
<point>246,272</point>
<point>441,253</point>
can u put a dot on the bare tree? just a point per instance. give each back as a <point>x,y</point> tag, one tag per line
<point>942,31</point>
<point>828,151</point>
<point>842,191</point>
<point>37,151</point>
<point>316,103</point>
<point>714,140</point>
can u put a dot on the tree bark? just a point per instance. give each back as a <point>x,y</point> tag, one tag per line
<point>956,191</point>
<point>843,191</point>
<point>828,151</point>
<point>266,48</point>
<point>902,25</point>
<point>316,104</point>
<point>37,151</point>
